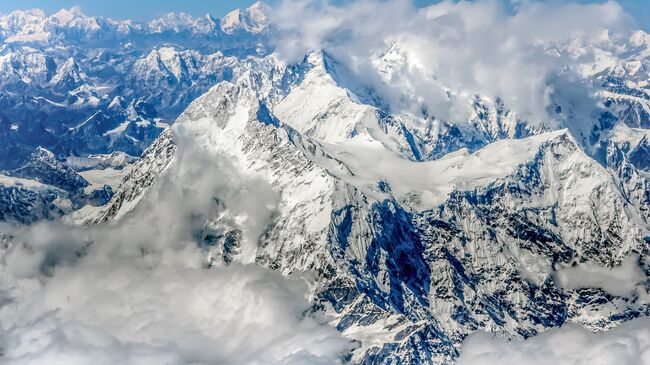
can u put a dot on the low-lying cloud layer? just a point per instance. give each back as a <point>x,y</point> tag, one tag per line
<point>128,313</point>
<point>140,291</point>
<point>442,55</point>
<point>629,344</point>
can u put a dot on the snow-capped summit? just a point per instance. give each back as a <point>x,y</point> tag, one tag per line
<point>640,39</point>
<point>19,20</point>
<point>70,24</point>
<point>43,166</point>
<point>174,22</point>
<point>253,19</point>
<point>206,25</point>
<point>165,61</point>
<point>68,76</point>
<point>66,16</point>
<point>116,104</point>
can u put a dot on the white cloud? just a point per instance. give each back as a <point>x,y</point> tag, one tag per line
<point>464,47</point>
<point>628,344</point>
<point>620,280</point>
<point>140,292</point>
<point>132,312</point>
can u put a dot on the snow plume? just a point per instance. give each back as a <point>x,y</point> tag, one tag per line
<point>628,344</point>
<point>140,291</point>
<point>439,57</point>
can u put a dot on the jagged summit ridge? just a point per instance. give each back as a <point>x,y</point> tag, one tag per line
<point>66,24</point>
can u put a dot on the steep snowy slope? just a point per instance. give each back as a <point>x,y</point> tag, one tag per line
<point>330,105</point>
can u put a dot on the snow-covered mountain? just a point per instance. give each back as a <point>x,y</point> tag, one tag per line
<point>413,255</point>
<point>419,230</point>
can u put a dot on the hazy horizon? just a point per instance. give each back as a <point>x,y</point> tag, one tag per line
<point>144,10</point>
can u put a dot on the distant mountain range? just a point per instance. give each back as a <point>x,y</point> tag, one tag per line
<point>77,84</point>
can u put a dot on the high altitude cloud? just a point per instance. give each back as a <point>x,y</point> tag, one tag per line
<point>442,55</point>
<point>140,292</point>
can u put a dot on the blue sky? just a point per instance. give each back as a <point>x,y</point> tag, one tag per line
<point>130,9</point>
<point>147,9</point>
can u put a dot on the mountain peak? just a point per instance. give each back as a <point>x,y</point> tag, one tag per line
<point>639,38</point>
<point>116,104</point>
<point>259,7</point>
<point>173,21</point>
<point>43,166</point>
<point>66,15</point>
<point>68,74</point>
<point>167,53</point>
<point>205,24</point>
<point>253,19</point>
<point>41,153</point>
<point>35,12</point>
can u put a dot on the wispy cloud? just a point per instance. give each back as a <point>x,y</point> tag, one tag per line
<point>621,280</point>
<point>440,56</point>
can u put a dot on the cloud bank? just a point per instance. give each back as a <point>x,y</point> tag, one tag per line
<point>140,291</point>
<point>628,344</point>
<point>440,56</point>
